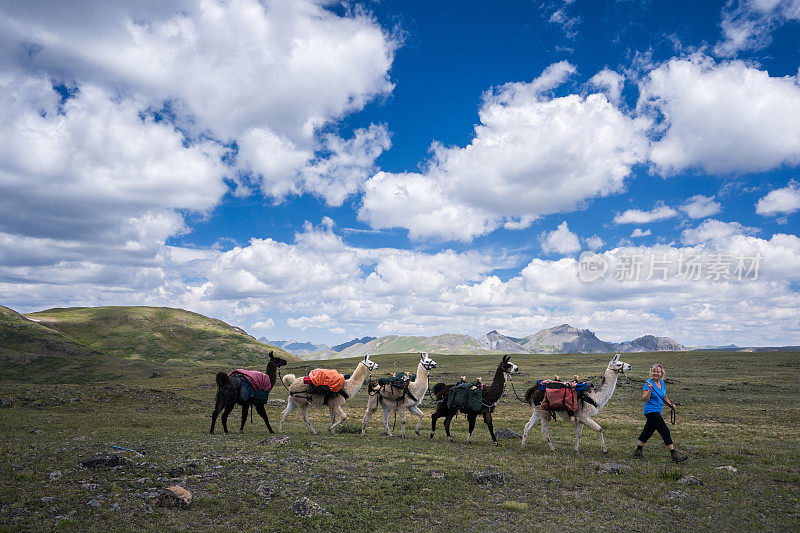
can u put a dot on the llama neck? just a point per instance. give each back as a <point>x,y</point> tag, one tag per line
<point>420,385</point>
<point>352,385</point>
<point>606,390</point>
<point>492,393</point>
<point>271,370</point>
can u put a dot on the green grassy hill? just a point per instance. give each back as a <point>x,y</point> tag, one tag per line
<point>102,343</point>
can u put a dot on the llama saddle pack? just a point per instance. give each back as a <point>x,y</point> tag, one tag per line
<point>466,396</point>
<point>324,377</point>
<point>561,396</point>
<point>399,380</point>
<point>255,385</point>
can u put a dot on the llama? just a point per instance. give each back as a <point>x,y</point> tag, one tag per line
<point>407,400</point>
<point>584,414</point>
<point>229,393</point>
<point>300,398</point>
<point>491,395</point>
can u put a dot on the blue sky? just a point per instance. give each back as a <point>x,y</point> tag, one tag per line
<point>319,171</point>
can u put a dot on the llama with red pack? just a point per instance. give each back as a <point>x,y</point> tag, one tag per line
<point>565,400</point>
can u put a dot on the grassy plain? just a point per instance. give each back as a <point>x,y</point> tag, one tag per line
<point>738,409</point>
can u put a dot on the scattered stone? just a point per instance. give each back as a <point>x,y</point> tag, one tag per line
<point>506,433</point>
<point>115,506</point>
<point>175,496</point>
<point>611,468</point>
<point>177,471</point>
<point>55,475</point>
<point>6,402</point>
<point>276,439</point>
<point>275,402</point>
<point>488,477</point>
<point>677,495</point>
<point>312,444</point>
<point>727,468</point>
<point>305,507</point>
<point>90,486</point>
<point>81,437</point>
<point>438,474</point>
<point>141,480</point>
<point>265,490</point>
<point>107,460</point>
<point>690,480</point>
<point>93,503</point>
<point>193,465</point>
<point>46,499</point>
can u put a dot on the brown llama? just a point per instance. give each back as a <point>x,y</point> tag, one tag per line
<point>233,389</point>
<point>491,395</point>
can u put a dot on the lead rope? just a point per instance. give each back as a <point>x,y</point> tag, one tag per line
<point>515,391</point>
<point>672,416</point>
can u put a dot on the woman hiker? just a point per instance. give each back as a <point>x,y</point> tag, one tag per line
<point>654,396</point>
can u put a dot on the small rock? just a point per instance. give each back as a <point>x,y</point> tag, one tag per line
<point>611,468</point>
<point>93,503</point>
<point>506,433</point>
<point>677,495</point>
<point>141,480</point>
<point>90,486</point>
<point>55,475</point>
<point>306,507</point>
<point>265,490</point>
<point>276,403</point>
<point>115,506</point>
<point>488,478</point>
<point>177,471</point>
<point>438,474</point>
<point>46,499</point>
<point>6,402</point>
<point>690,480</point>
<point>193,465</point>
<point>108,460</point>
<point>727,468</point>
<point>312,444</point>
<point>276,439</point>
<point>175,496</point>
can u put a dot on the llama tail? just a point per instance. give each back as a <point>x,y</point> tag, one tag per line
<point>288,379</point>
<point>222,379</point>
<point>438,388</point>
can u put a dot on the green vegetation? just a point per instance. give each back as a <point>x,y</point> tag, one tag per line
<point>84,344</point>
<point>737,409</point>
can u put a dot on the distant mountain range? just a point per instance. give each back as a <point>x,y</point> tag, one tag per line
<point>559,339</point>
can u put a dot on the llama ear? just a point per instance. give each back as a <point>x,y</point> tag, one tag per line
<point>616,357</point>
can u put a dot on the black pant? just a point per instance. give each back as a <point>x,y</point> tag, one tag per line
<point>655,423</point>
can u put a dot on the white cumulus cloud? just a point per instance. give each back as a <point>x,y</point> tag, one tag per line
<point>722,117</point>
<point>637,216</point>
<point>700,206</point>
<point>560,240</point>
<point>531,155</point>
<point>780,201</point>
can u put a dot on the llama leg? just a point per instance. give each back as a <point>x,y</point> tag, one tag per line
<point>487,417</point>
<point>416,410</point>
<point>578,429</point>
<point>219,405</point>
<point>448,417</point>
<point>228,408</point>
<point>595,426</point>
<point>385,421</point>
<point>339,412</point>
<point>304,412</point>
<point>546,431</point>
<point>471,418</point>
<point>260,410</point>
<point>285,413</point>
<point>245,409</point>
<point>372,406</point>
<point>434,417</point>
<point>532,422</point>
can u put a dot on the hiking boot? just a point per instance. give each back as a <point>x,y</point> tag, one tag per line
<point>638,453</point>
<point>678,457</point>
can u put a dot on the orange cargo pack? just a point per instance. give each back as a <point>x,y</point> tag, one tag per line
<point>323,376</point>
